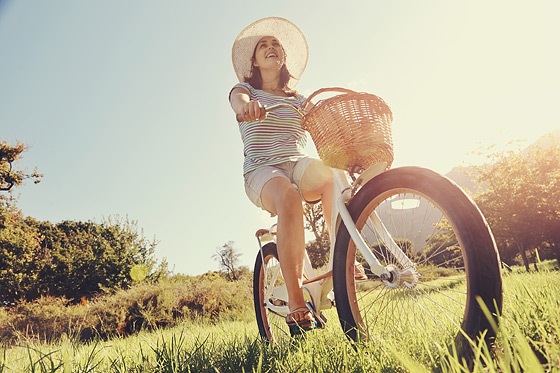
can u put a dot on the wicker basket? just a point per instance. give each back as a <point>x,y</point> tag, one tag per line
<point>351,131</point>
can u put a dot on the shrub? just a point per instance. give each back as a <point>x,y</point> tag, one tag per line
<point>43,319</point>
<point>145,306</point>
<point>211,297</point>
<point>69,259</point>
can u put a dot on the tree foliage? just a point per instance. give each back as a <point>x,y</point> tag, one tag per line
<point>318,249</point>
<point>69,259</point>
<point>19,250</point>
<point>442,248</point>
<point>521,200</point>
<point>9,177</point>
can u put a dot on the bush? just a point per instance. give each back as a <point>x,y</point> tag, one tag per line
<point>43,319</point>
<point>69,259</point>
<point>143,307</point>
<point>211,296</point>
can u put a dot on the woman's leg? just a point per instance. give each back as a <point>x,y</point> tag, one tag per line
<point>316,183</point>
<point>281,198</point>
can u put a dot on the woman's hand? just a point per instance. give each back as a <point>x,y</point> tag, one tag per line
<point>252,110</point>
<point>245,109</point>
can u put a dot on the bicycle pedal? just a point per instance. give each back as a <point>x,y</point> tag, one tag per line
<point>320,319</point>
<point>324,320</point>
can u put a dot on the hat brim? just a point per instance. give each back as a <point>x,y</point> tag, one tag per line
<point>290,36</point>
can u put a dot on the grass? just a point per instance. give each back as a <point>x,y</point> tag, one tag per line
<point>528,342</point>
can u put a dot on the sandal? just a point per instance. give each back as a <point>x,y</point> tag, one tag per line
<point>359,272</point>
<point>304,325</point>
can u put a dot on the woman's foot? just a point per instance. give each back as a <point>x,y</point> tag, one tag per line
<point>300,320</point>
<point>359,272</point>
<point>300,314</point>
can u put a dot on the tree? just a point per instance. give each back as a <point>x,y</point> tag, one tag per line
<point>317,249</point>
<point>10,177</point>
<point>442,248</point>
<point>83,258</point>
<point>521,200</point>
<point>19,246</point>
<point>228,260</point>
<point>70,259</point>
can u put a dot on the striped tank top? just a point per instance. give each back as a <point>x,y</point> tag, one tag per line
<point>277,139</point>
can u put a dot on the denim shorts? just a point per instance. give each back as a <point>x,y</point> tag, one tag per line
<point>297,172</point>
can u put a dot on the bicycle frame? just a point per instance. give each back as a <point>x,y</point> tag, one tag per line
<point>319,286</point>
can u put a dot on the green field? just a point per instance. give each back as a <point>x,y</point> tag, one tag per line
<point>528,342</point>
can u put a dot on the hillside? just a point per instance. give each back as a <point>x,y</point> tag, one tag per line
<point>546,140</point>
<point>461,174</point>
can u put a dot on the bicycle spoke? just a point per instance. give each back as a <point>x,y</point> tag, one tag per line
<point>422,229</point>
<point>434,296</point>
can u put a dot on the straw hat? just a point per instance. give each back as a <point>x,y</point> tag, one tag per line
<point>289,35</point>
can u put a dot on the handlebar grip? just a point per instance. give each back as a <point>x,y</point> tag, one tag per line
<point>239,117</point>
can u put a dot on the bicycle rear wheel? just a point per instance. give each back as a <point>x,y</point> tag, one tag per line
<point>453,256</point>
<point>270,296</point>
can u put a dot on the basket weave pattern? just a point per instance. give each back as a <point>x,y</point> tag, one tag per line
<point>352,130</point>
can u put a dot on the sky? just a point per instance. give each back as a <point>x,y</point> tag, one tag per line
<point>123,104</point>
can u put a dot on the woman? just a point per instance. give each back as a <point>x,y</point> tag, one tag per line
<point>269,57</point>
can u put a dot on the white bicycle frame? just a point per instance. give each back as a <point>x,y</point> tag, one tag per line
<point>318,287</point>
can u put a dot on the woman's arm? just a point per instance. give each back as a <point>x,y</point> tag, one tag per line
<point>242,104</point>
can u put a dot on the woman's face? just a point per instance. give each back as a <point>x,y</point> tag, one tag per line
<point>269,54</point>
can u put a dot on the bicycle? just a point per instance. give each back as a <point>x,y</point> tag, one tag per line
<point>429,256</point>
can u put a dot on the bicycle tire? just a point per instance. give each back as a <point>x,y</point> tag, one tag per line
<point>373,310</point>
<point>272,326</point>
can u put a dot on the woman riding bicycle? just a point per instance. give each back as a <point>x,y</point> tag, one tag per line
<point>269,57</point>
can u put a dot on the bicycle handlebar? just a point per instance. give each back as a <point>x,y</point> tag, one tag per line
<point>264,110</point>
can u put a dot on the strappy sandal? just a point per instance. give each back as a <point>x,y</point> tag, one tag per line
<point>359,272</point>
<point>305,325</point>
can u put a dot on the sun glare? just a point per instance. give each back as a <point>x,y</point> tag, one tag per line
<point>405,204</point>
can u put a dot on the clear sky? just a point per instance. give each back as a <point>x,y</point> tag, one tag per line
<point>123,104</point>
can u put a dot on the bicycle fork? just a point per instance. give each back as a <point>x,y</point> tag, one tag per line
<point>390,274</point>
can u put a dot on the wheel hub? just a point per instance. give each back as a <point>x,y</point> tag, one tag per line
<point>407,277</point>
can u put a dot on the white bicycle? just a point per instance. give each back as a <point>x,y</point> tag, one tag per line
<point>429,256</point>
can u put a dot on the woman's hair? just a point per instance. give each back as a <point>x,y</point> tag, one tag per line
<point>255,78</point>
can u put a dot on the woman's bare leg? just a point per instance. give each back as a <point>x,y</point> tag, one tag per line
<point>317,183</point>
<point>281,198</point>
<point>323,183</point>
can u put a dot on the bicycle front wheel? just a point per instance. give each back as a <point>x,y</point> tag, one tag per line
<point>453,261</point>
<point>270,295</point>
